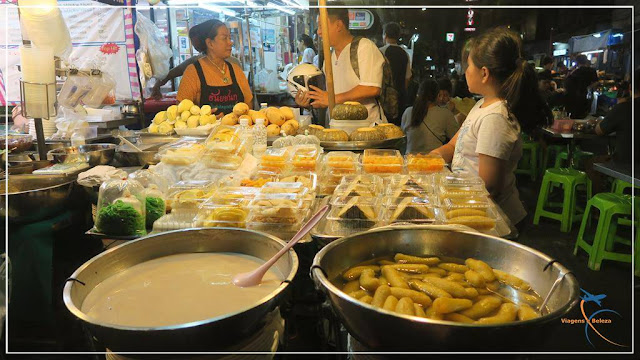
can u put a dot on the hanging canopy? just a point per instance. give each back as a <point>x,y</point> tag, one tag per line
<point>591,42</point>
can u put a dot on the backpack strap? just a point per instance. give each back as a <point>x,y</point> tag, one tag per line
<point>353,55</point>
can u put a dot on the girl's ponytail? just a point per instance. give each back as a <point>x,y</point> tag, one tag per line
<point>499,50</point>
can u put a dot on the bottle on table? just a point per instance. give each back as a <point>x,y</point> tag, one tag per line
<point>246,134</point>
<point>263,106</point>
<point>259,138</point>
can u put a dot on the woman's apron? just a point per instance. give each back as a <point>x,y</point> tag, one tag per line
<point>224,98</point>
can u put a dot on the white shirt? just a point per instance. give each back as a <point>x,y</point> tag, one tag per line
<point>408,73</point>
<point>370,62</point>
<point>491,131</point>
<point>308,55</point>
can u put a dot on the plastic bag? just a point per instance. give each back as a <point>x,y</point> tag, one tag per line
<point>154,51</point>
<point>267,81</point>
<point>121,208</point>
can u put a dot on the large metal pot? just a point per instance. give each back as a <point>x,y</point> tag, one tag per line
<point>382,330</point>
<point>206,335</point>
<point>94,154</point>
<point>34,197</point>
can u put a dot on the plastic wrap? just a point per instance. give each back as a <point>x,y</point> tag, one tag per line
<point>121,208</point>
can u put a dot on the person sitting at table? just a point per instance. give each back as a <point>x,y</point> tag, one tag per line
<point>578,85</point>
<point>211,80</point>
<point>489,143</point>
<point>619,120</point>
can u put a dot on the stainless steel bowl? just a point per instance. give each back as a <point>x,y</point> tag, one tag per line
<point>129,157</point>
<point>206,335</point>
<point>94,154</point>
<point>382,330</point>
<point>34,197</point>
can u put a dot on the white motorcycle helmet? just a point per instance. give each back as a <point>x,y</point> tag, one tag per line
<point>302,76</point>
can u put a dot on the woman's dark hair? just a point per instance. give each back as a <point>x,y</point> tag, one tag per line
<point>427,94</point>
<point>445,84</point>
<point>203,31</point>
<point>308,42</point>
<point>500,51</point>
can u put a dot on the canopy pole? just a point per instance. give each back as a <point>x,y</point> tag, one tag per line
<point>326,51</point>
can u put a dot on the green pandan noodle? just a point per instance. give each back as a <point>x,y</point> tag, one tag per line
<point>155,209</point>
<point>121,219</point>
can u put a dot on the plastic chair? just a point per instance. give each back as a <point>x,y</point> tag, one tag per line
<point>619,188</point>
<point>528,164</point>
<point>570,179</point>
<point>611,206</point>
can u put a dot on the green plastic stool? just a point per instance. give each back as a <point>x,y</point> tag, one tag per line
<point>570,179</point>
<point>556,149</point>
<point>578,158</point>
<point>620,186</point>
<point>611,206</point>
<point>636,204</point>
<point>529,167</point>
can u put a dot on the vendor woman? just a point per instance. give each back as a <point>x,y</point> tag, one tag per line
<point>212,80</point>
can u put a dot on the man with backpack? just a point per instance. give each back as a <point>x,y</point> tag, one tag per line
<point>400,64</point>
<point>360,72</point>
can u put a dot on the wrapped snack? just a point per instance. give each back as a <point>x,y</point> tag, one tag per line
<point>155,205</point>
<point>185,151</point>
<point>416,210</point>
<point>305,157</point>
<point>121,208</point>
<point>275,158</point>
<point>410,186</point>
<point>356,214</point>
<point>188,195</point>
<point>460,185</point>
<point>341,160</point>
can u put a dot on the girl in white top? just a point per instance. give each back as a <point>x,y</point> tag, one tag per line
<point>305,46</point>
<point>489,142</point>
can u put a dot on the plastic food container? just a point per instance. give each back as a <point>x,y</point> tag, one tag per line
<point>283,209</point>
<point>357,189</point>
<point>382,161</point>
<point>424,163</point>
<point>415,210</point>
<point>460,185</point>
<point>211,215</point>
<point>188,195</point>
<point>275,158</point>
<point>481,219</point>
<point>307,178</point>
<point>292,188</point>
<point>341,160</point>
<point>357,214</point>
<point>233,196</point>
<point>185,151</point>
<point>374,182</point>
<point>330,179</point>
<point>283,231</point>
<point>361,200</point>
<point>305,157</point>
<point>223,133</point>
<point>410,186</point>
<point>121,208</point>
<point>175,221</point>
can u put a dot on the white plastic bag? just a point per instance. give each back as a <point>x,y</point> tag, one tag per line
<point>154,50</point>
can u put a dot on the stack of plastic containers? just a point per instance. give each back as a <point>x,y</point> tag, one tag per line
<point>278,214</point>
<point>185,151</point>
<point>184,199</point>
<point>336,165</point>
<point>275,160</point>
<point>464,200</point>
<point>355,204</point>
<point>304,158</point>
<point>225,149</point>
<point>228,207</point>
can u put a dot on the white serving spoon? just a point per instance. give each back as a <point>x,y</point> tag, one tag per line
<point>254,277</point>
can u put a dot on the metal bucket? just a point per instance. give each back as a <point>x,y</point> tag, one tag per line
<point>206,335</point>
<point>382,330</point>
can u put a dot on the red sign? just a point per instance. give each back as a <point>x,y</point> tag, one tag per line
<point>109,48</point>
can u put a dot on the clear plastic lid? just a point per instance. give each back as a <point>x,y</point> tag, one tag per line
<point>223,133</point>
<point>256,180</point>
<point>352,217</point>
<point>276,209</point>
<point>121,208</point>
<point>211,215</point>
<point>337,200</point>
<point>374,181</point>
<point>305,157</point>
<point>481,219</point>
<point>185,151</point>
<point>341,160</point>
<point>424,163</point>
<point>357,189</point>
<point>275,158</point>
<point>234,196</point>
<point>410,186</point>
<point>416,210</point>
<point>188,195</point>
<point>382,161</point>
<point>307,178</point>
<point>148,177</point>
<point>460,178</point>
<point>295,188</point>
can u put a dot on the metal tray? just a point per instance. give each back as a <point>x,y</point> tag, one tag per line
<point>396,143</point>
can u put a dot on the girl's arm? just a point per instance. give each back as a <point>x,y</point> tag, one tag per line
<point>446,150</point>
<point>492,170</point>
